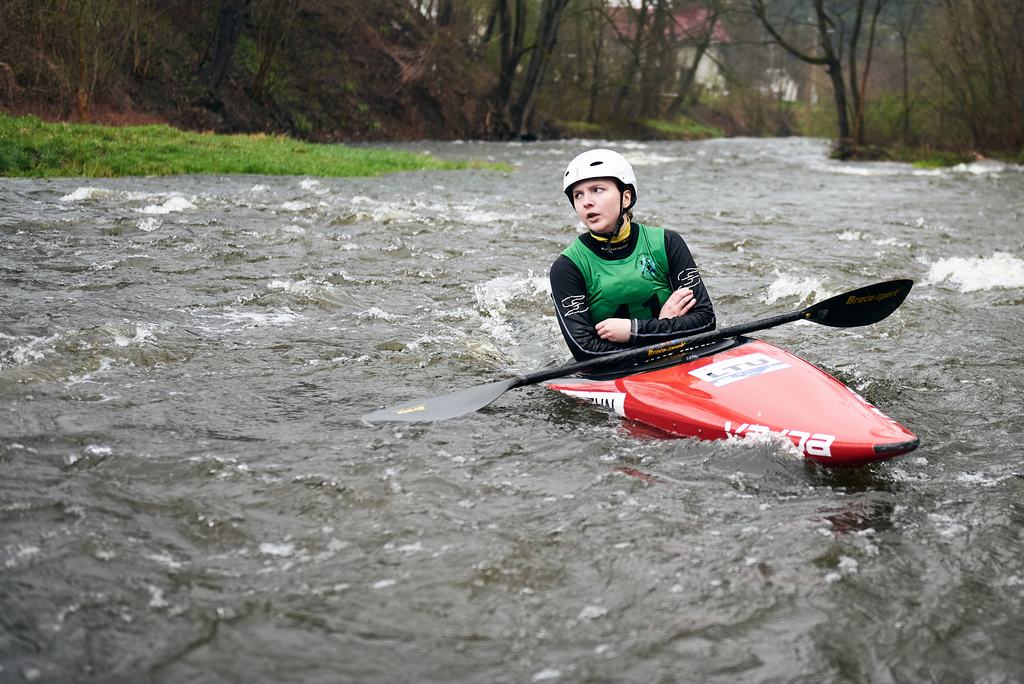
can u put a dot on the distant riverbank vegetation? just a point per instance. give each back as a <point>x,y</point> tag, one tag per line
<point>30,147</point>
<point>936,80</point>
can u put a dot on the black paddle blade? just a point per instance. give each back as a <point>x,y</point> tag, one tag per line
<point>443,407</point>
<point>863,306</point>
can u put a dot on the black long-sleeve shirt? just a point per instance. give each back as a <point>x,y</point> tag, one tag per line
<point>569,291</point>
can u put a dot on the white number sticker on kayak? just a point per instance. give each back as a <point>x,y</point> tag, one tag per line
<point>722,373</point>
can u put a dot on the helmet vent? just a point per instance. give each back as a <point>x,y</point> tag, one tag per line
<point>596,163</point>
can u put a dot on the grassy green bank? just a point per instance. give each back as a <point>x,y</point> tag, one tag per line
<point>33,148</point>
<point>680,128</point>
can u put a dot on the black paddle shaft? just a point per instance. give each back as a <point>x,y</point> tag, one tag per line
<point>859,307</point>
<point>863,306</point>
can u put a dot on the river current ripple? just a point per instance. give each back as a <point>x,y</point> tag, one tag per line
<point>187,493</point>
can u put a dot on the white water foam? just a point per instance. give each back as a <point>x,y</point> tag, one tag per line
<point>143,333</point>
<point>84,193</point>
<point>148,224</point>
<point>652,159</point>
<point>32,349</point>
<point>983,167</point>
<point>890,242</point>
<point>376,313</point>
<point>982,480</point>
<point>307,288</point>
<point>156,597</point>
<point>252,319</point>
<point>495,295</point>
<point>19,554</point>
<point>29,350</point>
<point>171,205</point>
<point>467,214</point>
<point>164,559</point>
<point>1001,270</point>
<point>846,566</point>
<point>283,550</point>
<point>781,444</point>
<point>106,364</point>
<point>870,169</point>
<point>494,298</point>
<point>786,286</point>
<point>946,525</point>
<point>380,211</point>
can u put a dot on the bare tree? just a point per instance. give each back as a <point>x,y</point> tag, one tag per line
<point>272,22</point>
<point>978,55</point>
<point>544,44</point>
<point>653,71</point>
<point>516,106</point>
<point>905,18</point>
<point>511,26</point>
<point>85,36</point>
<point>698,39</point>
<point>597,58</point>
<point>632,33</point>
<point>859,91</point>
<point>831,27</point>
<point>225,36</point>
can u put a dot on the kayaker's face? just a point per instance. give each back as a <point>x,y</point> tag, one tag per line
<point>598,202</point>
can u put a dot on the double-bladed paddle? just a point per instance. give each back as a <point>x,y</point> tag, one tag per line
<point>863,306</point>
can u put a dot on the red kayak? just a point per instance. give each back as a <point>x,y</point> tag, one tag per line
<point>743,387</point>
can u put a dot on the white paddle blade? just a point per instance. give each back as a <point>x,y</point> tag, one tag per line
<point>441,408</point>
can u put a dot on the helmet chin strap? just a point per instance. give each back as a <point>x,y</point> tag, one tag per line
<point>606,242</point>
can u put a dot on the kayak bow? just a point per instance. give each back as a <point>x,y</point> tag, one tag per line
<point>744,387</point>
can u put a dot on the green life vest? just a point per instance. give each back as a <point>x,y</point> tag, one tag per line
<point>634,287</point>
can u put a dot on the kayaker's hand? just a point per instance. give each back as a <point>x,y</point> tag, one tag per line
<point>615,329</point>
<point>678,303</point>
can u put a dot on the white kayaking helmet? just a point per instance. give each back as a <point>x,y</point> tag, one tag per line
<point>600,163</point>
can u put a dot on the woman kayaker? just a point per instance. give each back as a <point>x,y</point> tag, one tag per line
<point>622,284</point>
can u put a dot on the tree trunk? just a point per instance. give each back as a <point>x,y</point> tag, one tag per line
<point>827,58</point>
<point>82,65</point>
<point>851,62</point>
<point>225,37</point>
<point>273,26</point>
<point>445,13</point>
<point>858,125</point>
<point>689,75</point>
<point>595,72</point>
<point>905,68</point>
<point>636,49</point>
<point>133,22</point>
<point>510,42</point>
<point>652,71</point>
<point>547,37</point>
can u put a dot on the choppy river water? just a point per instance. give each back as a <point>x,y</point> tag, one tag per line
<point>187,493</point>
